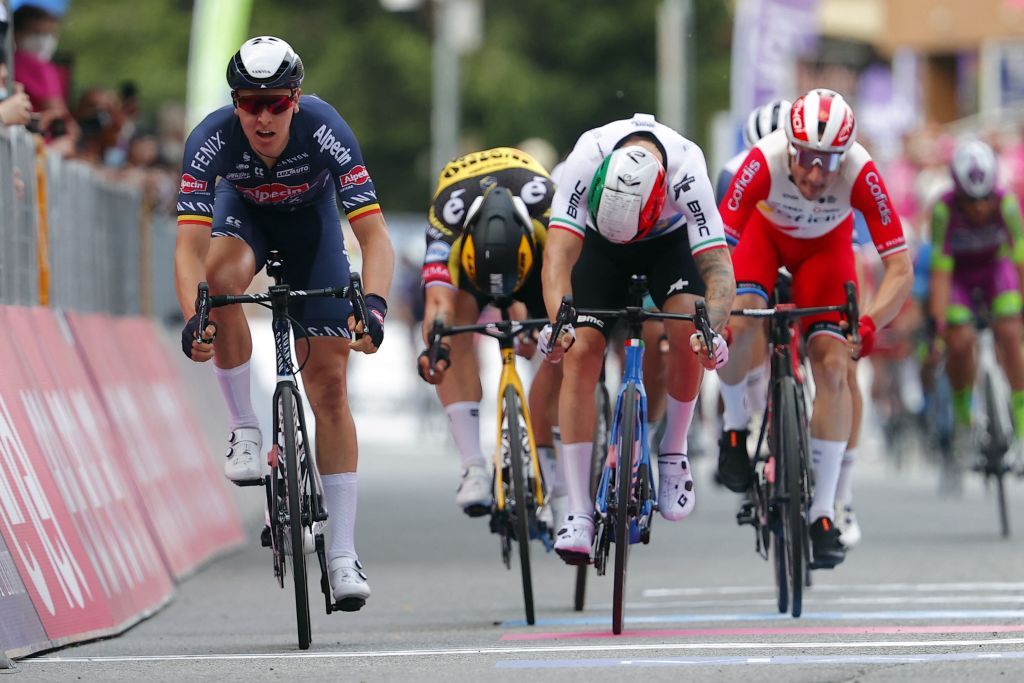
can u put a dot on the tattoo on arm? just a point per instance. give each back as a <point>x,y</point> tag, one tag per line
<point>715,268</point>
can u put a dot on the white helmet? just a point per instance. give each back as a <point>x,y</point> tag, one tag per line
<point>627,194</point>
<point>974,169</point>
<point>821,121</point>
<point>765,119</point>
<point>265,62</point>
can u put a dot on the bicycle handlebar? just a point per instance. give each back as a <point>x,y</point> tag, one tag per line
<point>566,315</point>
<point>789,311</point>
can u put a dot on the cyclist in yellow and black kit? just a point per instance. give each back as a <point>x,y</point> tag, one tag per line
<point>486,233</point>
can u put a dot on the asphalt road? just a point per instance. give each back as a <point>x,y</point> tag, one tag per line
<point>932,592</point>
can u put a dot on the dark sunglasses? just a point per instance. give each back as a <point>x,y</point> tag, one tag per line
<point>254,104</point>
<point>809,158</point>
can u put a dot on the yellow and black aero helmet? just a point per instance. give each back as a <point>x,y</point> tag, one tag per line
<point>497,243</point>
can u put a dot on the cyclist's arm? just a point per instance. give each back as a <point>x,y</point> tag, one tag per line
<point>378,255</point>
<point>870,197</point>
<point>560,255</point>
<point>1011,214</point>
<point>941,267</point>
<point>750,185</point>
<point>440,303</point>
<point>190,249</point>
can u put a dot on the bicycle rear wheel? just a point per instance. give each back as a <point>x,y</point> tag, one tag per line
<point>789,458</point>
<point>623,493</point>
<point>289,428</point>
<point>602,429</point>
<point>521,497</point>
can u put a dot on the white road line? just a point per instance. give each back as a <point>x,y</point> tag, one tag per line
<point>839,588</point>
<point>850,600</point>
<point>486,651</point>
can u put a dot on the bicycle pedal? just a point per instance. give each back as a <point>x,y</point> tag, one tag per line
<point>265,539</point>
<point>477,510</point>
<point>349,604</point>
<point>248,482</point>
<point>746,515</point>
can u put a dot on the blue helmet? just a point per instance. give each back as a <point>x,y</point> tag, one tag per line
<point>265,62</point>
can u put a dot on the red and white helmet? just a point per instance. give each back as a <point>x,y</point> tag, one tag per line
<point>822,121</point>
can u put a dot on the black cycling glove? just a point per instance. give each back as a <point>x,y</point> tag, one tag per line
<point>377,307</point>
<point>444,353</point>
<point>190,333</point>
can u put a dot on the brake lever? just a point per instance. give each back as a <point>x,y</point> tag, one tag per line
<point>703,323</point>
<point>566,315</point>
<point>203,311</point>
<point>358,301</point>
<point>853,313</point>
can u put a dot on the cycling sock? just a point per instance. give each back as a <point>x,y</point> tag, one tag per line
<point>678,416</point>
<point>465,420</point>
<point>340,502</point>
<point>1017,402</point>
<point>844,490</point>
<point>757,388</point>
<point>235,386</point>
<point>548,468</point>
<point>577,477</point>
<point>826,462</point>
<point>962,399</point>
<point>734,396</point>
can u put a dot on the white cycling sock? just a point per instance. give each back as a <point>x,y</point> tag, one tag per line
<point>757,388</point>
<point>826,461</point>
<point>844,490</point>
<point>734,396</point>
<point>548,466</point>
<point>465,420</point>
<point>577,477</point>
<point>678,416</point>
<point>558,485</point>
<point>340,496</point>
<point>235,386</point>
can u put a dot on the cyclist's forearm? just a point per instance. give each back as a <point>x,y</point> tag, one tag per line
<point>439,303</point>
<point>938,301</point>
<point>378,255</point>
<point>560,255</point>
<point>893,290</point>
<point>189,266</point>
<point>715,268</point>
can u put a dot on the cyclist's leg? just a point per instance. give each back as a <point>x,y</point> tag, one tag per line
<point>961,364</point>
<point>1006,327</point>
<point>846,519</point>
<point>237,251</point>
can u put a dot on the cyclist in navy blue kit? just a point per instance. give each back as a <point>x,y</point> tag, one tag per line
<point>268,173</point>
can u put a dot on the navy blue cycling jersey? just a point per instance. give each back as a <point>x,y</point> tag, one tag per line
<point>322,155</point>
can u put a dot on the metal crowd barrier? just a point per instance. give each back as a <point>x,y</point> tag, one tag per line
<point>69,238</point>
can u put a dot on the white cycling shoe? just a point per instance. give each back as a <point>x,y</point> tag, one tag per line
<point>676,498</point>
<point>575,537</point>
<point>846,522</point>
<point>474,494</point>
<point>244,464</point>
<point>348,582</point>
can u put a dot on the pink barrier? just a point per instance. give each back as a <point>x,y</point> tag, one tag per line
<point>89,465</point>
<point>107,491</point>
<point>184,494</point>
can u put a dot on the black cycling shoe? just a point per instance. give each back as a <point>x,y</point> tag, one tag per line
<point>734,470</point>
<point>265,537</point>
<point>828,549</point>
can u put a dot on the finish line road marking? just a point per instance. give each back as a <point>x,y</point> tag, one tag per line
<point>776,616</point>
<point>536,649</point>
<point>840,588</point>
<point>720,661</point>
<point>780,631</point>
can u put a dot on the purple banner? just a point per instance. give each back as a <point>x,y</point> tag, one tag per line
<point>767,38</point>
<point>20,630</point>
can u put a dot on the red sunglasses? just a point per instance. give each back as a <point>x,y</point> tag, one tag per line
<point>254,104</point>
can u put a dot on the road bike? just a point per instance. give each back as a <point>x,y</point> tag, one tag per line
<point>521,510</point>
<point>293,489</point>
<point>626,497</point>
<point>783,483</point>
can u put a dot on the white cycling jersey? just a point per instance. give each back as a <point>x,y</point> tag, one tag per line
<point>690,202</point>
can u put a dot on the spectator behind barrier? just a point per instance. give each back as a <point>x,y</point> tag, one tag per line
<point>15,108</point>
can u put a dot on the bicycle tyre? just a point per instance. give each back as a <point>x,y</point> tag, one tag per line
<point>602,417</point>
<point>623,489</point>
<point>996,449</point>
<point>286,404</point>
<point>776,525</point>
<point>521,516</point>
<point>792,499</point>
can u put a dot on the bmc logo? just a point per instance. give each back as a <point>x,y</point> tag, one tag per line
<point>273,192</point>
<point>190,184</point>
<point>357,176</point>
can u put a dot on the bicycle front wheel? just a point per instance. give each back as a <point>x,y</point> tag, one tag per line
<point>791,457</point>
<point>521,498</point>
<point>623,492</point>
<point>289,430</point>
<point>999,428</point>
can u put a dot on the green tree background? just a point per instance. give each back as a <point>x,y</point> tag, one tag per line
<point>546,68</point>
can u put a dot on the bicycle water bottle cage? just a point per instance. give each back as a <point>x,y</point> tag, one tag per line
<point>275,268</point>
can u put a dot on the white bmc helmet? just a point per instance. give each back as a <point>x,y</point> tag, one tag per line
<point>627,194</point>
<point>765,119</point>
<point>974,169</point>
<point>822,121</point>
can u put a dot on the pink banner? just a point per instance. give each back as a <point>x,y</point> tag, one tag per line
<point>37,526</point>
<point>89,466</point>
